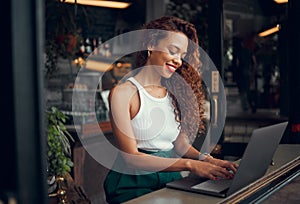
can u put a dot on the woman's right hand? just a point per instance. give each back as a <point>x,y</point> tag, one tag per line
<point>208,170</point>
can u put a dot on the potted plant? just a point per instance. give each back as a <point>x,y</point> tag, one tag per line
<point>58,147</point>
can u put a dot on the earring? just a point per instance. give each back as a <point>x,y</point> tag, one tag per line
<point>149,53</point>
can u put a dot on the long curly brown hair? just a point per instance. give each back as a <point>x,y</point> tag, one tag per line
<point>188,105</point>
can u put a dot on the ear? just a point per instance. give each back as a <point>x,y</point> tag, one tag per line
<point>150,48</point>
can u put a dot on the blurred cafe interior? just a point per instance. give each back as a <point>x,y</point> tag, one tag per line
<point>62,58</point>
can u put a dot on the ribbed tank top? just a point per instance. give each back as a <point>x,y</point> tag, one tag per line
<point>154,125</point>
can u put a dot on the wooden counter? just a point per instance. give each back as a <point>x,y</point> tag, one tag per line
<point>87,172</point>
<point>284,154</point>
<point>86,132</point>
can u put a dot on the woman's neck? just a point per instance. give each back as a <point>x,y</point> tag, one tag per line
<point>147,76</point>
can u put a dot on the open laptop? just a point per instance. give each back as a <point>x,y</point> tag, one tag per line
<point>256,159</point>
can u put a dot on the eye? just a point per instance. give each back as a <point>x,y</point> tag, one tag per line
<point>172,52</point>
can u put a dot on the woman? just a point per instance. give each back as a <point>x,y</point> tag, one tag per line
<point>154,116</point>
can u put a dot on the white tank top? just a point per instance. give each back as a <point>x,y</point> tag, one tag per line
<point>154,125</point>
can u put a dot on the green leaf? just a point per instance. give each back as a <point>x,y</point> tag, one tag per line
<point>58,143</point>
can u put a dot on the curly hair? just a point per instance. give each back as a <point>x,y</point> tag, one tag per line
<point>188,105</point>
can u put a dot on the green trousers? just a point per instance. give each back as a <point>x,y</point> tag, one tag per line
<point>121,187</point>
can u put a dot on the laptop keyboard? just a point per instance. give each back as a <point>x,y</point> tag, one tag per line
<point>214,186</point>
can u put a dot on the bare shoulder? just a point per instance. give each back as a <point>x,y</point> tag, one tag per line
<point>123,91</point>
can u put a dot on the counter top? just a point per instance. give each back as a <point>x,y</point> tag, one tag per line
<point>284,154</point>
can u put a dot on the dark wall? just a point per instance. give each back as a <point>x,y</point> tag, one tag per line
<point>8,182</point>
<point>22,139</point>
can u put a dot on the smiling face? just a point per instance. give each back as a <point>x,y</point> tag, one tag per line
<point>168,54</point>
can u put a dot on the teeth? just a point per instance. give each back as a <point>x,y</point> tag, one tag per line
<point>172,68</point>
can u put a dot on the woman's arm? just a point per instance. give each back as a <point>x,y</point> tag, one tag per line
<point>123,102</point>
<point>123,99</point>
<point>185,149</point>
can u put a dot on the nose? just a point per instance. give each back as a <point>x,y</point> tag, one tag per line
<point>178,61</point>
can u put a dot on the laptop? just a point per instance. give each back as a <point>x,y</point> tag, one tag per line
<point>256,159</point>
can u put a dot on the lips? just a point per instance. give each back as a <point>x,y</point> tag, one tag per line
<point>171,68</point>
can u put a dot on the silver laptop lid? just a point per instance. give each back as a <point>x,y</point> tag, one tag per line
<point>258,155</point>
